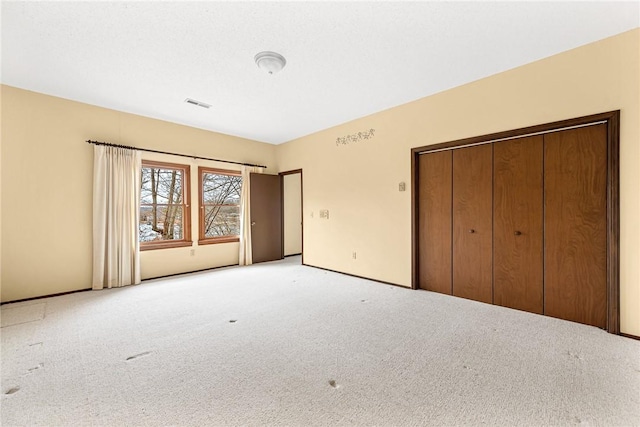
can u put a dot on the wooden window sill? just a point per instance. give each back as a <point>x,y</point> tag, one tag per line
<point>165,245</point>
<point>214,241</point>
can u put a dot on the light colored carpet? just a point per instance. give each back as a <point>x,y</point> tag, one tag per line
<point>17,314</point>
<point>283,344</point>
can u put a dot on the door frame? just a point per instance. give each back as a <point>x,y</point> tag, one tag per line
<point>612,120</point>
<point>282,174</point>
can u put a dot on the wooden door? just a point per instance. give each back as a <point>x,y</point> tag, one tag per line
<point>266,217</point>
<point>517,224</point>
<point>472,222</point>
<point>575,221</point>
<point>434,221</point>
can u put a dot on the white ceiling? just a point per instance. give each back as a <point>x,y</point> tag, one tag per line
<point>344,59</point>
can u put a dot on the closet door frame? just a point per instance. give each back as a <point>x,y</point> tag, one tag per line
<point>612,120</point>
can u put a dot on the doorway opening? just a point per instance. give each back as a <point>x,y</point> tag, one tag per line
<point>292,218</point>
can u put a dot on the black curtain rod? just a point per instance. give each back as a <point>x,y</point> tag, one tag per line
<point>172,154</point>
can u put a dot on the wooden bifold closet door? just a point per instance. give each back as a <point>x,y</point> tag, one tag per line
<point>517,222</point>
<point>521,222</point>
<point>575,218</point>
<point>472,224</point>
<point>434,230</point>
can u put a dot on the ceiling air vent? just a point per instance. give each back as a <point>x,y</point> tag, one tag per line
<point>198,103</point>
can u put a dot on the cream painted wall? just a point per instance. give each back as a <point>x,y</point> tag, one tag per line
<point>358,182</point>
<point>292,189</point>
<point>47,172</point>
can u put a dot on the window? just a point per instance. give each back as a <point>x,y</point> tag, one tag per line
<point>164,206</point>
<point>219,205</point>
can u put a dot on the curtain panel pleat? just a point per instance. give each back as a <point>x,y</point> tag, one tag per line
<point>245,214</point>
<point>116,211</point>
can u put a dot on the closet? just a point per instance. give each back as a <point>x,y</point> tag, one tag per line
<point>524,222</point>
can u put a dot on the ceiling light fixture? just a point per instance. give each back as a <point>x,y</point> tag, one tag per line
<point>270,62</point>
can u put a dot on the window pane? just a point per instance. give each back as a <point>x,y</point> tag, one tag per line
<point>161,186</point>
<point>161,223</point>
<point>221,221</point>
<point>221,189</point>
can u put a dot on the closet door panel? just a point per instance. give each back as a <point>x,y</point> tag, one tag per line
<point>434,221</point>
<point>472,222</point>
<point>517,216</point>
<point>575,220</point>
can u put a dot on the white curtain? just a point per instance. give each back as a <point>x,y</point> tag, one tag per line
<point>116,201</point>
<point>245,215</point>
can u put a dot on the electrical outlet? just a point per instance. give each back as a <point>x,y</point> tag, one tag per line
<point>353,255</point>
<point>402,186</point>
<point>324,213</point>
<point>193,252</point>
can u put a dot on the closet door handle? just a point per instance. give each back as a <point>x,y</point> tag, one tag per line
<point>517,233</point>
<point>472,231</point>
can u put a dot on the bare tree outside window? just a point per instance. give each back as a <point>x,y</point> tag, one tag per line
<point>219,204</point>
<point>163,208</point>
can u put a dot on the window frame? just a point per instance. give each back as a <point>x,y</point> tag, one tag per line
<point>202,239</point>
<point>186,206</point>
